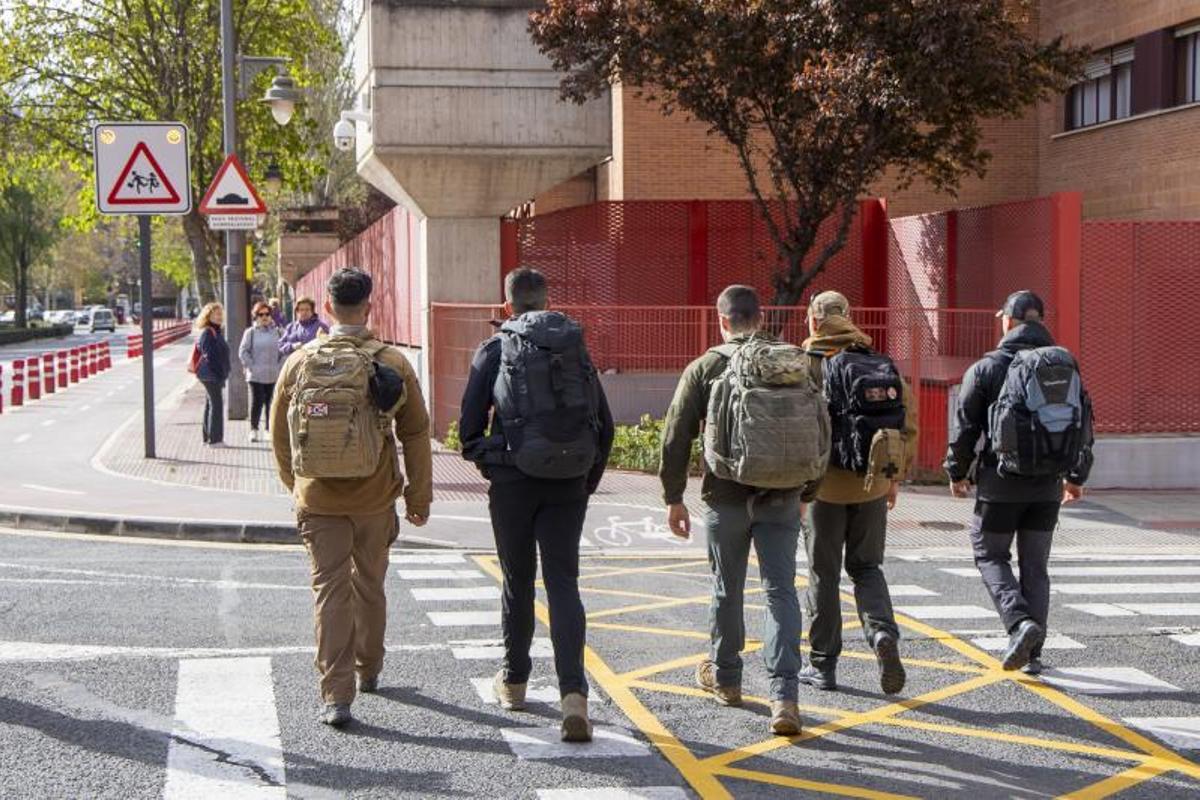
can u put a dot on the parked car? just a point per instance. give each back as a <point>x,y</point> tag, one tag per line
<point>62,317</point>
<point>8,318</point>
<point>103,319</point>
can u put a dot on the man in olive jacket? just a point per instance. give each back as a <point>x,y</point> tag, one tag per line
<point>348,524</point>
<point>737,517</point>
<point>849,522</point>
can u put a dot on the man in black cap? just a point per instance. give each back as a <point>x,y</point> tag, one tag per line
<point>1027,403</point>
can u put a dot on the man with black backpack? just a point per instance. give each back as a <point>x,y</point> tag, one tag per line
<point>537,424</point>
<point>1026,401</point>
<point>874,442</point>
<point>766,446</point>
<point>342,402</point>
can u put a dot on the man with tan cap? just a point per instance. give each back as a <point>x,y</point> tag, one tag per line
<point>874,443</point>
<point>342,402</point>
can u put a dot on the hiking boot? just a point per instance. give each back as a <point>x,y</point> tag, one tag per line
<point>253,435</point>
<point>706,679</point>
<point>1034,667</point>
<point>368,685</point>
<point>1021,644</point>
<point>337,714</point>
<point>785,718</point>
<point>891,671</point>
<point>575,725</point>
<point>510,696</point>
<point>812,675</point>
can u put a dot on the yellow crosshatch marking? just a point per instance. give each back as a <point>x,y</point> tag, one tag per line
<point>1142,760</point>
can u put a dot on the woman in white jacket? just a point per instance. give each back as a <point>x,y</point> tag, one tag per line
<point>260,356</point>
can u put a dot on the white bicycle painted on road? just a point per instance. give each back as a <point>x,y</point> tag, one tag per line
<point>620,532</point>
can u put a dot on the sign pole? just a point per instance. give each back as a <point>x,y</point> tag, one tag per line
<point>234,282</point>
<point>147,334</point>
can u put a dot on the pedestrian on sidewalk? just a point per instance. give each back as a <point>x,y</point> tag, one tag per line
<point>305,327</point>
<point>766,446</point>
<point>260,357</point>
<point>341,404</point>
<point>537,424</point>
<point>874,443</point>
<point>277,314</point>
<point>212,370</point>
<point>1027,402</point>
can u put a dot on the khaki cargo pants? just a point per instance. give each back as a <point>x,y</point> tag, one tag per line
<point>349,556</point>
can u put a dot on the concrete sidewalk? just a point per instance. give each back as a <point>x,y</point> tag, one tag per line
<point>925,517</point>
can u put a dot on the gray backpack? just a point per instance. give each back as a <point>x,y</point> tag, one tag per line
<point>1037,424</point>
<point>547,396</point>
<point>767,424</point>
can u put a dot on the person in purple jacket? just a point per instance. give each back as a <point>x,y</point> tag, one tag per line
<point>305,327</point>
<point>277,314</point>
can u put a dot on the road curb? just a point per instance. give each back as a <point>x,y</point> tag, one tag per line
<point>190,530</point>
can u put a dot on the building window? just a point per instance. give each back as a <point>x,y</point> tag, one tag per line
<point>1187,64</point>
<point>1106,91</point>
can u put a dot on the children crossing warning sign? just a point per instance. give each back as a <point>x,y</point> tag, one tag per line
<point>142,168</point>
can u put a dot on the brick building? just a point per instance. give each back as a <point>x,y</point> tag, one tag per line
<point>1127,136</point>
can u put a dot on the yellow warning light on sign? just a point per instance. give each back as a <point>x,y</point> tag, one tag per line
<point>108,136</point>
<point>174,137</point>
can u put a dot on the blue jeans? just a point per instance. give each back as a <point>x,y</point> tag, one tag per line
<point>771,522</point>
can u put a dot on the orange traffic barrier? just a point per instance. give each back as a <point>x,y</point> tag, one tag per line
<point>106,355</point>
<point>1,388</point>
<point>63,377</point>
<point>48,385</point>
<point>35,378</point>
<point>74,365</point>
<point>18,379</point>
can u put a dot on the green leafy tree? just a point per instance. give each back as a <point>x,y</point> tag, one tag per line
<point>76,63</point>
<point>30,210</point>
<point>818,98</point>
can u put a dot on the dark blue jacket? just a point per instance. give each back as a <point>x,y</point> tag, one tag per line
<point>214,356</point>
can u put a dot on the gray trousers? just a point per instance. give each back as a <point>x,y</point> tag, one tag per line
<point>993,530</point>
<point>854,533</point>
<point>771,523</point>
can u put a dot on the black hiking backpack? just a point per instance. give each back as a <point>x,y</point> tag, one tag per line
<point>547,396</point>
<point>866,400</point>
<point>1042,417</point>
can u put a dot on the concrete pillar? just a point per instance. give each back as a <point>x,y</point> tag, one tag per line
<point>462,259</point>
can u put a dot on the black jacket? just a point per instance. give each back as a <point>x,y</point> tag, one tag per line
<point>214,363</point>
<point>980,388</point>
<point>482,431</point>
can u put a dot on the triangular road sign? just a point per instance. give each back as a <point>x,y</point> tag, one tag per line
<point>142,182</point>
<point>231,192</point>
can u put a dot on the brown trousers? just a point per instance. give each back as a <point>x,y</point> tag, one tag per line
<point>349,557</point>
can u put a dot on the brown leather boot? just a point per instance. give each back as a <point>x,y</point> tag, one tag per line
<point>575,725</point>
<point>706,678</point>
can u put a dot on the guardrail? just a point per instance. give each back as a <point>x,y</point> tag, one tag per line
<point>172,331</point>
<point>48,373</point>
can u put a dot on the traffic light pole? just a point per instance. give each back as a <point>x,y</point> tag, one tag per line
<point>234,275</point>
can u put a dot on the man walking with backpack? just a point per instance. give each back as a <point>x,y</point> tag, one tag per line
<point>338,401</point>
<point>766,446</point>
<point>537,424</point>
<point>1027,402</point>
<point>874,442</point>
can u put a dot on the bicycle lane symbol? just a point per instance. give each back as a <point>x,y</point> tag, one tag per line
<point>620,532</point>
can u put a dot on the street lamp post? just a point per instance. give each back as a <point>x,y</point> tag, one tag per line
<point>282,98</point>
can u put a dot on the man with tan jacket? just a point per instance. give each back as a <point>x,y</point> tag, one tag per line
<point>875,434</point>
<point>337,403</point>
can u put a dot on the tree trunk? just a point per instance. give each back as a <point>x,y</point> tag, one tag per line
<point>197,237</point>
<point>22,288</point>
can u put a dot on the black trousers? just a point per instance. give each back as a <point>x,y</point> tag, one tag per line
<point>214,412</point>
<point>529,516</point>
<point>994,528</point>
<point>260,403</point>
<point>852,533</point>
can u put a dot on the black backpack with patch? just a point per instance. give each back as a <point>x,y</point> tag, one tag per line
<point>547,396</point>
<point>866,400</point>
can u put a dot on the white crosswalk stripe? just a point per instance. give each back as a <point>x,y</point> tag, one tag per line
<point>947,612</point>
<point>1106,680</point>
<point>427,558</point>
<point>545,743</point>
<point>1116,571</point>
<point>453,619</point>
<point>547,694</point>
<point>1182,733</point>
<point>1189,639</point>
<point>1136,609</point>
<point>1125,588</point>
<point>615,793</point>
<point>439,574</point>
<point>900,590</point>
<point>447,594</point>
<point>469,649</point>
<point>1054,641</point>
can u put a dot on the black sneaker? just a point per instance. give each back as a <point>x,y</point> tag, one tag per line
<point>369,685</point>
<point>1024,640</point>
<point>825,680</point>
<point>1034,667</point>
<point>337,714</point>
<point>891,671</point>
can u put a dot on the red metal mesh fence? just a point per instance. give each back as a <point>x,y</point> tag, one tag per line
<point>1140,284</point>
<point>1000,249</point>
<point>388,251</point>
<point>642,339</point>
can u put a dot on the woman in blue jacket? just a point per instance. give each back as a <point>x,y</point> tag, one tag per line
<point>213,370</point>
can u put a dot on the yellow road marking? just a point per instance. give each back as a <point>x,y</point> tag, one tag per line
<point>616,612</point>
<point>681,634</point>
<point>696,691</point>
<point>668,568</point>
<point>702,780</point>
<point>1117,783</point>
<point>812,786</point>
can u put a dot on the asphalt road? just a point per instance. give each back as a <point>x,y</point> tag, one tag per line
<point>83,335</point>
<point>138,669</point>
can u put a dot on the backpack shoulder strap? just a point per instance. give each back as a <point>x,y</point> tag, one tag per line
<point>725,350</point>
<point>373,347</point>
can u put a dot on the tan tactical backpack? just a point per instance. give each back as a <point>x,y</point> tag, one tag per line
<point>767,425</point>
<point>336,429</point>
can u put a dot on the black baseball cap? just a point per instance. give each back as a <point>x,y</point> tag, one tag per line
<point>1020,303</point>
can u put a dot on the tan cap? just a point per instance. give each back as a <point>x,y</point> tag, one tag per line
<point>829,304</point>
